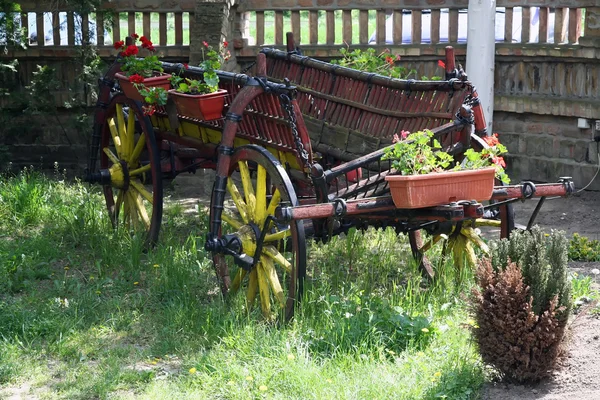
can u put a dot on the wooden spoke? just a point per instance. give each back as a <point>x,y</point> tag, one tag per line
<point>118,205</point>
<point>235,224</point>
<point>141,209</point>
<point>139,147</point>
<point>263,290</point>
<point>142,190</point>
<point>261,195</point>
<point>115,135</point>
<point>275,199</point>
<point>238,200</point>
<point>252,289</point>
<point>272,237</point>
<point>131,139</point>
<point>125,152</point>
<point>248,189</point>
<point>275,255</point>
<point>488,222</point>
<point>269,269</point>
<point>141,170</point>
<point>111,155</point>
<point>237,280</point>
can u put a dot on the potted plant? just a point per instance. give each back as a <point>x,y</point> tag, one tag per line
<point>423,175</point>
<point>139,76</point>
<point>202,99</point>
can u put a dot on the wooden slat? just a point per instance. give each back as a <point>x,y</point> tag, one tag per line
<point>313,26</point>
<point>162,29</point>
<point>131,23</point>
<point>70,28</point>
<point>260,28</point>
<point>453,25</point>
<point>560,15</point>
<point>39,22</point>
<point>381,14</point>
<point>330,19</point>
<point>416,26</point>
<point>100,28</point>
<point>347,26</point>
<point>85,29</point>
<point>397,28</point>
<point>508,25</point>
<point>25,24</point>
<point>55,28</point>
<point>178,28</point>
<point>574,24</point>
<point>116,28</point>
<point>543,25</point>
<point>363,26</point>
<point>191,21</point>
<point>146,25</point>
<point>435,26</point>
<point>525,24</point>
<point>296,25</point>
<point>279,28</point>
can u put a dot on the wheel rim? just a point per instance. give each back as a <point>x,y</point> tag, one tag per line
<point>129,154</point>
<point>256,185</point>
<point>499,221</point>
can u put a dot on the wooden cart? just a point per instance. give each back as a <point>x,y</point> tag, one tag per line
<point>297,155</point>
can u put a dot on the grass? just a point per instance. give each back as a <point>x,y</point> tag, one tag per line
<point>87,313</point>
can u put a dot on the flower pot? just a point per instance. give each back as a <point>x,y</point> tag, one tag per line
<point>206,106</point>
<point>130,90</point>
<point>429,190</point>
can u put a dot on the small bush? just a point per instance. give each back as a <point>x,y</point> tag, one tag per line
<point>521,306</point>
<point>583,249</point>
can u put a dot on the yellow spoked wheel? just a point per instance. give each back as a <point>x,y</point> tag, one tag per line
<point>130,164</point>
<point>256,185</point>
<point>497,222</point>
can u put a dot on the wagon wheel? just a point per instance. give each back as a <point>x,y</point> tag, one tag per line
<point>130,165</point>
<point>256,185</point>
<point>498,221</point>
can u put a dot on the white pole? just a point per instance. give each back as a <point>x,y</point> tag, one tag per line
<point>481,43</point>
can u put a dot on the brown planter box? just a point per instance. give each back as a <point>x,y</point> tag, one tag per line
<point>155,81</point>
<point>429,190</point>
<point>205,107</point>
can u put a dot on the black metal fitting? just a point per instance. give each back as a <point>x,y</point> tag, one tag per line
<point>101,177</point>
<point>233,117</point>
<point>339,207</point>
<point>225,150</point>
<point>568,183</point>
<point>528,189</point>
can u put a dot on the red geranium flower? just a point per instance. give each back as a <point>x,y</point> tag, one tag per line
<point>131,50</point>
<point>442,64</point>
<point>499,161</point>
<point>119,45</point>
<point>225,43</point>
<point>135,35</point>
<point>491,140</point>
<point>185,65</point>
<point>205,43</point>
<point>149,110</point>
<point>135,78</point>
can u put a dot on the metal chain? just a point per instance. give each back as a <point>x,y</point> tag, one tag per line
<point>289,109</point>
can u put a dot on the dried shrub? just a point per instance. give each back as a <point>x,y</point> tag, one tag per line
<point>521,307</point>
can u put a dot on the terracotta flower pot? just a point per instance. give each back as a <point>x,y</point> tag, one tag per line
<point>130,90</point>
<point>429,190</point>
<point>205,107</point>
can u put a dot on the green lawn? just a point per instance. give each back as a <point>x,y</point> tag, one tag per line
<point>87,313</point>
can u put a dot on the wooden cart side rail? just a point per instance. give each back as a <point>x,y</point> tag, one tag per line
<point>373,78</point>
<point>353,113</point>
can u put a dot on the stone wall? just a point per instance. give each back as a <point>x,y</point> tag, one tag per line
<point>546,147</point>
<point>42,140</point>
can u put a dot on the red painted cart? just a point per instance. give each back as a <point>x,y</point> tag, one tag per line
<point>297,155</point>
